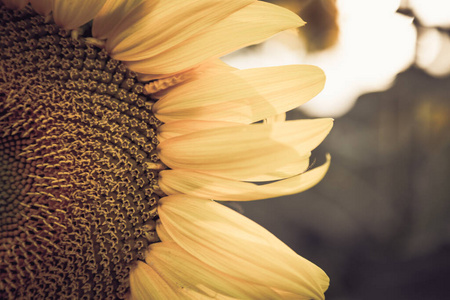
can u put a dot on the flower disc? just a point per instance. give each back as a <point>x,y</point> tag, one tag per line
<point>78,157</point>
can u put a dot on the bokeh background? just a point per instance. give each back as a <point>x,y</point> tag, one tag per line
<point>379,222</point>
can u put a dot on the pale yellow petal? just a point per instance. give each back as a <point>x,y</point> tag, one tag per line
<point>162,233</point>
<point>146,283</point>
<point>42,7</point>
<point>245,27</point>
<point>118,13</point>
<point>218,98</point>
<point>235,245</point>
<point>291,296</point>
<point>168,24</point>
<point>209,295</point>
<point>210,67</point>
<point>71,14</point>
<point>275,119</point>
<point>177,128</point>
<point>293,168</point>
<point>244,151</point>
<point>212,187</point>
<point>15,4</point>
<point>184,270</point>
<point>244,96</point>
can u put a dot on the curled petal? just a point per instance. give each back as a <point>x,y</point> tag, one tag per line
<point>238,247</point>
<point>71,14</point>
<point>244,96</point>
<point>212,187</point>
<point>293,168</point>
<point>255,149</point>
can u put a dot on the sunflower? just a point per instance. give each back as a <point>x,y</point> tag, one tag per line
<point>119,125</point>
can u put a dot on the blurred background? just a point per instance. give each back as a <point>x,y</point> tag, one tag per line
<point>379,222</point>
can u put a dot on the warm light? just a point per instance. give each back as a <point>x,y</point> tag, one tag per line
<point>432,13</point>
<point>374,45</point>
<point>433,52</point>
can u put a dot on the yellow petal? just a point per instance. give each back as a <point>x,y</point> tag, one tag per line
<point>71,14</point>
<point>15,4</point>
<point>212,187</point>
<point>245,26</point>
<point>290,296</point>
<point>206,295</point>
<point>207,99</point>
<point>162,233</point>
<point>177,128</point>
<point>235,245</point>
<point>210,67</point>
<point>275,119</point>
<point>244,151</point>
<point>146,283</point>
<point>42,7</point>
<point>168,24</point>
<point>117,15</point>
<point>293,168</point>
<point>244,96</point>
<point>184,270</point>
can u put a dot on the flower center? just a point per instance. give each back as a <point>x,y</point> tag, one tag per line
<point>78,169</point>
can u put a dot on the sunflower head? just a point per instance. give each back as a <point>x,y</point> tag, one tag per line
<point>78,150</point>
<point>102,200</point>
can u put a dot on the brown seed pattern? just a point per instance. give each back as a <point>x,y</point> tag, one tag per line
<point>78,184</point>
